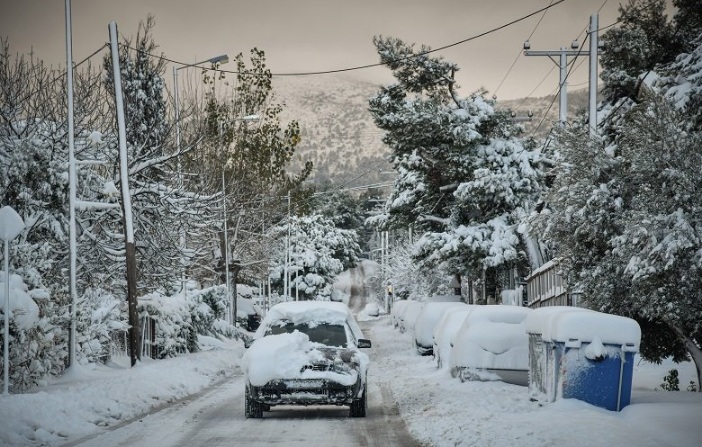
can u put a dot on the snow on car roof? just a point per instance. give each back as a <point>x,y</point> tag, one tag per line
<point>306,311</point>
<point>301,312</point>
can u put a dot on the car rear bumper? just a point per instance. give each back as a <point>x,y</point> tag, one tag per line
<point>305,392</point>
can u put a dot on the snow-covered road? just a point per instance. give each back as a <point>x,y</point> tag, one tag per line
<point>216,418</point>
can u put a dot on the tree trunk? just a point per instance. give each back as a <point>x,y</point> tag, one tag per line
<point>694,350</point>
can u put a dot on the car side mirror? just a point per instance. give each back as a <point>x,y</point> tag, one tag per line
<point>364,343</point>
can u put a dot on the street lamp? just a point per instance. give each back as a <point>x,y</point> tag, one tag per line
<point>222,59</point>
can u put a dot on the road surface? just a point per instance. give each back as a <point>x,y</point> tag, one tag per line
<point>215,417</point>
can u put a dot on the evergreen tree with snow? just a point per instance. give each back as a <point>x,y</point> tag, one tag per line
<point>318,253</point>
<point>465,178</point>
<point>623,212</point>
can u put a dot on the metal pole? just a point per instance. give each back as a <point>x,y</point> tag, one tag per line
<point>6,336</point>
<point>286,280</point>
<point>563,109</point>
<point>226,249</point>
<point>72,190</point>
<point>130,248</point>
<point>592,122</point>
<point>176,100</point>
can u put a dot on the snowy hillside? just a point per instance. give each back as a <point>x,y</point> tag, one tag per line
<point>338,133</point>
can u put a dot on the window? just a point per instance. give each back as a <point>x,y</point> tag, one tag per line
<point>325,333</point>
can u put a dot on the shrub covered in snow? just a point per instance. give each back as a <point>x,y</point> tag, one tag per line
<point>32,351</point>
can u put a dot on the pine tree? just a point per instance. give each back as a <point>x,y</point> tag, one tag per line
<point>623,212</point>
<point>465,180</point>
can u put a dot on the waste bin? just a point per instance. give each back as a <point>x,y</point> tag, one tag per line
<point>581,354</point>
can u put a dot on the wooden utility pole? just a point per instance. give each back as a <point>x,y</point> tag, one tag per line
<point>130,248</point>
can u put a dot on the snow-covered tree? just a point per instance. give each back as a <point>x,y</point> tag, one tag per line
<point>244,156</point>
<point>623,212</point>
<point>161,204</point>
<point>33,159</point>
<point>318,253</point>
<point>465,179</point>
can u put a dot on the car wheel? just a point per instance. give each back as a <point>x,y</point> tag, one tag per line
<point>252,409</point>
<point>359,407</point>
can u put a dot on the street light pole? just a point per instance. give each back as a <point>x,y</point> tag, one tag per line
<point>222,59</point>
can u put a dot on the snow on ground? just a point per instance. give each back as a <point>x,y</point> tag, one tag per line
<point>439,410</point>
<point>88,398</point>
<point>442,411</point>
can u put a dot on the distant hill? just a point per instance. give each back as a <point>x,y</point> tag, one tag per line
<point>339,136</point>
<point>546,105</point>
<point>338,133</point>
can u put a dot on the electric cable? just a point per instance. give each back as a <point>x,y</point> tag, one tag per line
<point>519,53</point>
<point>378,64</point>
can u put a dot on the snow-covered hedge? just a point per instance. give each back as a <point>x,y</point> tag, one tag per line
<point>180,319</point>
<point>33,352</point>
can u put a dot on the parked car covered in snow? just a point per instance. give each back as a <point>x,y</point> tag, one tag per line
<point>397,310</point>
<point>444,332</point>
<point>306,353</point>
<point>426,322</point>
<point>248,314</point>
<point>409,316</point>
<point>492,344</point>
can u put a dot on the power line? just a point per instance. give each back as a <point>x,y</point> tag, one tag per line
<point>378,64</point>
<point>519,53</point>
<point>560,86</point>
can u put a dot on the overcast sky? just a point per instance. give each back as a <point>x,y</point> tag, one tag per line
<point>319,35</point>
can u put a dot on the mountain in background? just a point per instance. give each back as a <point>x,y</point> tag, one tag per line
<point>340,138</point>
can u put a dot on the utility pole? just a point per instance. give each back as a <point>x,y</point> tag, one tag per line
<point>562,54</point>
<point>594,57</point>
<point>72,248</point>
<point>130,248</point>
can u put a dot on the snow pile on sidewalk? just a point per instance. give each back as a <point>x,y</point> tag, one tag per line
<point>441,411</point>
<point>88,397</point>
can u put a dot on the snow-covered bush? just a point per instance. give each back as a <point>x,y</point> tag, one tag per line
<point>181,319</point>
<point>32,352</point>
<point>100,315</point>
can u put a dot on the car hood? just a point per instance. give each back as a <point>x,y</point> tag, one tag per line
<point>293,356</point>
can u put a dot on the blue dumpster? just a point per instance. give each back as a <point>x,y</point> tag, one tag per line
<point>581,354</point>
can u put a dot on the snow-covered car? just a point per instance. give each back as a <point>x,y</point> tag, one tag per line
<point>306,353</point>
<point>447,327</point>
<point>492,344</point>
<point>397,310</point>
<point>248,314</point>
<point>372,310</point>
<point>426,322</point>
<point>409,315</point>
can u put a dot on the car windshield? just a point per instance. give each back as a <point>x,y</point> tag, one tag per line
<point>325,333</point>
